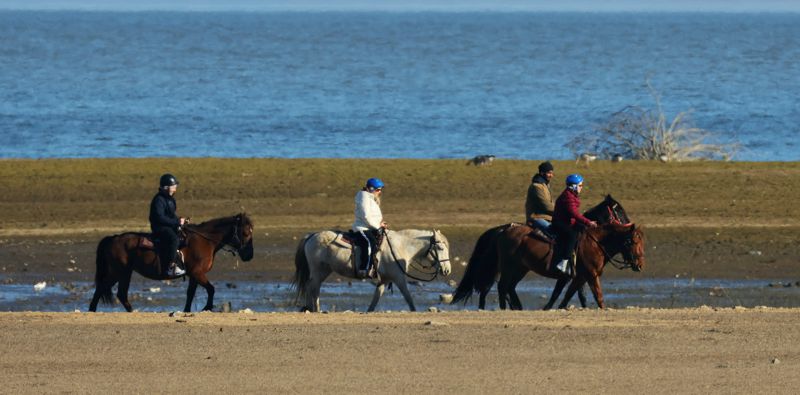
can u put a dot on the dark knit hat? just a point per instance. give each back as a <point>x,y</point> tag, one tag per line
<point>544,167</point>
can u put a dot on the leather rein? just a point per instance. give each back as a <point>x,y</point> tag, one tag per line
<point>432,251</point>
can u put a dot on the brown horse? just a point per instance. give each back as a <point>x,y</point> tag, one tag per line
<point>119,255</point>
<point>519,253</point>
<point>485,263</point>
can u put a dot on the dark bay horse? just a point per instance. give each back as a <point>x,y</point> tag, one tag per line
<point>120,255</point>
<point>485,265</point>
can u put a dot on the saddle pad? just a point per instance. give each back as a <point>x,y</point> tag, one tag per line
<point>538,234</point>
<point>341,241</point>
<point>145,243</point>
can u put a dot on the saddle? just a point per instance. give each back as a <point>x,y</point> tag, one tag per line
<point>151,243</point>
<point>348,239</point>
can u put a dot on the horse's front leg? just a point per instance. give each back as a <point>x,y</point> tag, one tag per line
<point>597,291</point>
<point>375,297</point>
<point>402,285</point>
<point>576,284</point>
<point>202,280</point>
<point>560,283</point>
<point>190,294</point>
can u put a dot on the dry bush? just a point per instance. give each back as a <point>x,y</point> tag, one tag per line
<point>638,133</point>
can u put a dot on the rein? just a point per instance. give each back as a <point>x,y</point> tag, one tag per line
<point>430,249</point>
<point>232,247</point>
<point>619,264</point>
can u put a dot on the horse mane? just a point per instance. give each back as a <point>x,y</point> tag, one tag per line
<point>602,209</point>
<point>223,221</point>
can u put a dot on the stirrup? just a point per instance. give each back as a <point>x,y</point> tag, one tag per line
<point>175,271</point>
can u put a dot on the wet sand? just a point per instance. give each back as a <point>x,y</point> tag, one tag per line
<point>615,351</point>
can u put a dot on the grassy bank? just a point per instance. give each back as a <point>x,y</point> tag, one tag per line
<point>712,219</point>
<point>285,192</point>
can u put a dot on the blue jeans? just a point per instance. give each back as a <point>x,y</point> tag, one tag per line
<point>541,224</point>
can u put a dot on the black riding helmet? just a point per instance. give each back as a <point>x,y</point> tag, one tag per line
<point>168,180</point>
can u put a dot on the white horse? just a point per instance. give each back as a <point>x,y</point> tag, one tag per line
<point>320,254</point>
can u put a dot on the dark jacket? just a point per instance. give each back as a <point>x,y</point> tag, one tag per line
<point>567,210</point>
<point>162,212</point>
<point>539,203</point>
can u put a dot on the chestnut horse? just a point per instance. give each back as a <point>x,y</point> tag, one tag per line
<point>120,255</point>
<point>484,264</point>
<point>519,253</point>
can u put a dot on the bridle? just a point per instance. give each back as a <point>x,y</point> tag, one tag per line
<point>629,258</point>
<point>433,252</point>
<point>234,243</point>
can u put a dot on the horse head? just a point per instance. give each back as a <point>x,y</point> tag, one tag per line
<point>241,236</point>
<point>609,211</point>
<point>439,252</point>
<point>633,247</point>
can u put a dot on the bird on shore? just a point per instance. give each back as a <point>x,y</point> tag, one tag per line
<point>664,158</point>
<point>616,158</point>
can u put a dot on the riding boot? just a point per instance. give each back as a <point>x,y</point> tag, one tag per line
<point>373,269</point>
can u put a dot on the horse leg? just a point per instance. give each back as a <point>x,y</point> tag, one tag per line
<point>202,280</point>
<point>402,285</point>
<point>315,285</point>
<point>582,296</point>
<point>190,291</point>
<point>560,283</point>
<point>514,302</point>
<point>576,284</point>
<point>502,290</point>
<point>597,291</point>
<point>482,298</point>
<point>375,297</point>
<point>100,289</point>
<point>122,290</point>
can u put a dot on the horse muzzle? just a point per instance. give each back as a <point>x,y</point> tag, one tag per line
<point>246,252</point>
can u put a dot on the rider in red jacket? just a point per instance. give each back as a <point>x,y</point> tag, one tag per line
<point>568,220</point>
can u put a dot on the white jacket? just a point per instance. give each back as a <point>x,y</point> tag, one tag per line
<point>368,213</point>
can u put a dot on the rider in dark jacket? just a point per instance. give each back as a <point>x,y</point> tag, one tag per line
<point>164,223</point>
<point>568,220</point>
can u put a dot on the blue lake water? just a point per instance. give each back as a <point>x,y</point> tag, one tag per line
<point>382,84</point>
<point>340,296</point>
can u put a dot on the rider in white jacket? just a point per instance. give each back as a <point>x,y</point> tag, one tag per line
<point>368,223</point>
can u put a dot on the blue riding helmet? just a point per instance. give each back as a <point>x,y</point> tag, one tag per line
<point>374,183</point>
<point>574,179</point>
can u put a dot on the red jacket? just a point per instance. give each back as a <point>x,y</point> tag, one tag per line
<point>567,209</point>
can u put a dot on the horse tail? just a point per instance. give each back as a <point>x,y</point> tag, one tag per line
<point>101,270</point>
<point>482,267</point>
<point>301,271</point>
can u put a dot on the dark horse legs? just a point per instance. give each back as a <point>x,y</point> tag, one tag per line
<point>203,281</point>
<point>575,286</point>
<point>557,292</point>
<point>122,290</point>
<point>506,287</point>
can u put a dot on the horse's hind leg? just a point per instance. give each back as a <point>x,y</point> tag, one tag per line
<point>514,302</point>
<point>582,296</point>
<point>122,290</point>
<point>101,290</point>
<point>482,298</point>
<point>560,283</point>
